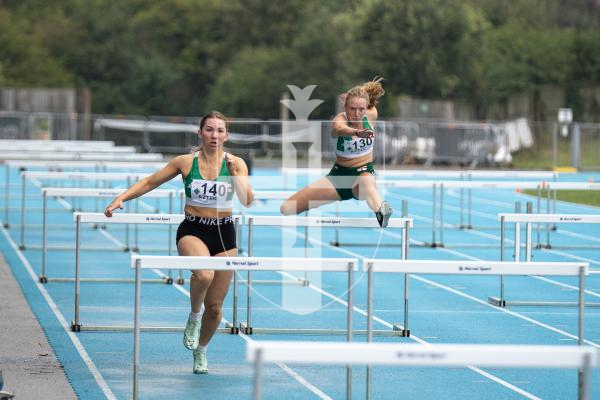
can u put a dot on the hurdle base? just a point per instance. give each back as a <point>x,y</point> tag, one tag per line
<point>351,244</point>
<point>433,245</point>
<point>549,303</point>
<point>169,281</point>
<point>130,328</point>
<point>43,279</point>
<point>180,281</point>
<point>75,327</point>
<point>245,329</point>
<point>317,331</point>
<point>21,247</point>
<point>106,280</point>
<point>6,226</point>
<point>400,328</point>
<point>497,301</point>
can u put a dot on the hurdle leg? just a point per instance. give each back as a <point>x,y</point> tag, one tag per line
<point>470,205</point>
<point>136,330</point>
<point>500,301</point>
<point>539,199</point>
<point>548,226</point>
<point>461,224</point>
<point>349,325</point>
<point>583,383</point>
<point>247,327</point>
<point>23,191</point>
<point>369,324</point>
<point>6,196</point>
<point>43,278</point>
<point>527,241</point>
<point>136,229</point>
<point>433,216</point>
<point>180,280</point>
<point>75,325</point>
<point>441,244</point>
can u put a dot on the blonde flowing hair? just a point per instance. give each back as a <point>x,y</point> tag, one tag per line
<point>370,91</point>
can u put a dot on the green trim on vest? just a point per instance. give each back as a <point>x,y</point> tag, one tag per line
<point>195,174</point>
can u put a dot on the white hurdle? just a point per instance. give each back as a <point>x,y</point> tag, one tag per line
<point>444,355</point>
<point>489,268</point>
<point>169,194</point>
<point>528,220</point>
<point>487,185</point>
<point>314,221</point>
<point>98,166</point>
<point>348,265</point>
<point>74,156</point>
<point>98,218</point>
<point>127,178</point>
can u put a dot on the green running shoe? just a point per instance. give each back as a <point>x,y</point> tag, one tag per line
<point>200,362</point>
<point>384,214</point>
<point>191,334</point>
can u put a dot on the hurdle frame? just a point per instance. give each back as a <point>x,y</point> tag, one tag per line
<point>441,185</point>
<point>316,221</point>
<point>528,220</point>
<point>162,219</point>
<point>139,262</point>
<point>583,358</point>
<point>484,268</point>
<point>70,176</point>
<point>95,193</point>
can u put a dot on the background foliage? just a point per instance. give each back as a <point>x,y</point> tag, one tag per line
<point>182,57</point>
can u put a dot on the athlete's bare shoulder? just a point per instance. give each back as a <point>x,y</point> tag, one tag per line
<point>182,162</point>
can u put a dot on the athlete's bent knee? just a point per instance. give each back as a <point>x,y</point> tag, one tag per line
<point>288,208</point>
<point>214,311</point>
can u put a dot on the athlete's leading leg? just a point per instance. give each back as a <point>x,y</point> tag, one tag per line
<point>199,284</point>
<point>213,302</point>
<point>366,189</point>
<point>316,194</point>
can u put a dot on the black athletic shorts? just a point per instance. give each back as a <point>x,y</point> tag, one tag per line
<point>218,234</point>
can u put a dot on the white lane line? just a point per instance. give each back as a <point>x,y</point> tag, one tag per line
<point>111,238</point>
<point>389,325</point>
<point>61,319</point>
<point>284,367</point>
<point>578,235</point>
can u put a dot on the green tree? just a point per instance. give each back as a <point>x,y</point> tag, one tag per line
<point>23,59</point>
<point>422,47</point>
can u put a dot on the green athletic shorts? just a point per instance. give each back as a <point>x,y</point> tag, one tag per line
<point>343,179</point>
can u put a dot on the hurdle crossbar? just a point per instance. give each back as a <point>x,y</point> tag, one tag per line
<point>455,355</point>
<point>140,262</point>
<point>81,156</point>
<point>528,220</point>
<point>321,222</point>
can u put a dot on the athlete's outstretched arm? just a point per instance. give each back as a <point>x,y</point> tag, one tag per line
<point>144,185</point>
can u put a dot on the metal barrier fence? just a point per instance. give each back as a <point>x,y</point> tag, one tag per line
<point>399,142</point>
